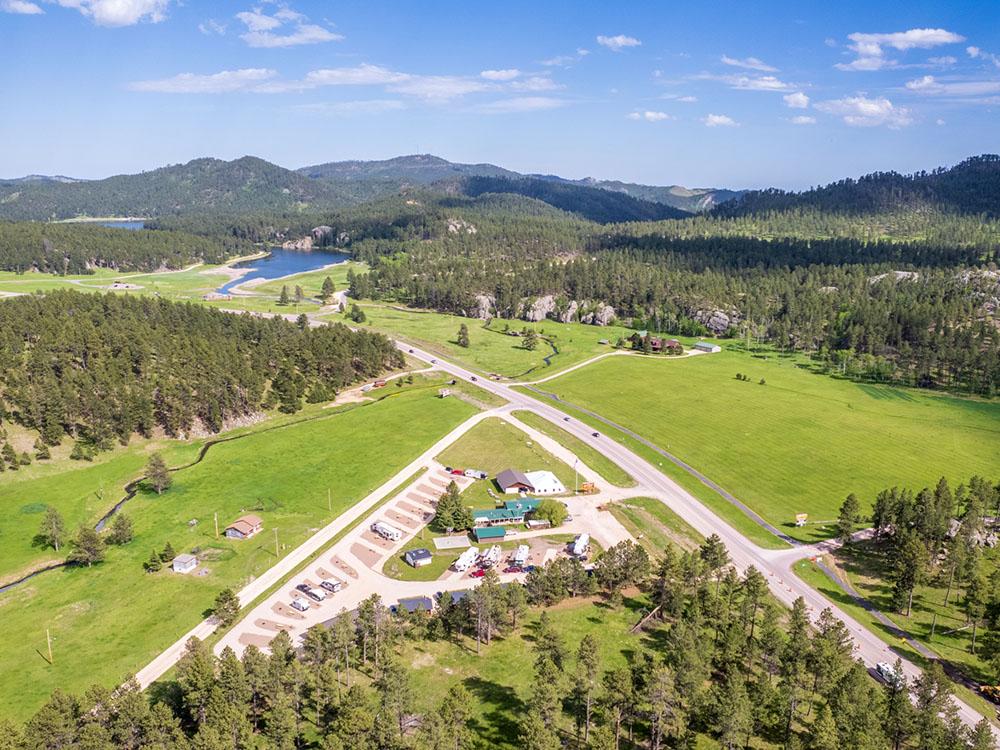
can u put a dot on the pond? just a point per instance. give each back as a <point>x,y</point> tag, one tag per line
<point>281,262</point>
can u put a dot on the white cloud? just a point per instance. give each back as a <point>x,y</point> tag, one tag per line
<point>977,54</point>
<point>798,100</point>
<point>119,12</point>
<point>21,7</point>
<point>440,88</point>
<point>523,104</point>
<point>535,83</point>
<point>860,111</point>
<point>360,75</point>
<point>686,99</point>
<point>507,74</point>
<point>758,83</point>
<point>751,63</point>
<point>944,61</point>
<point>618,43</point>
<point>649,116</point>
<point>211,27</point>
<point>284,28</point>
<point>719,121</point>
<point>803,120</point>
<point>215,83</point>
<point>939,121</point>
<point>870,48</point>
<point>931,86</point>
<point>562,61</point>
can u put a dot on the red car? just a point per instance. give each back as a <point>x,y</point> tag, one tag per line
<point>478,573</point>
<point>513,569</point>
<point>457,472</point>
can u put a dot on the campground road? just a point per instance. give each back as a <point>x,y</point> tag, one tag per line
<point>776,565</point>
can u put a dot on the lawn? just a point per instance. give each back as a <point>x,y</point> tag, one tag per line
<point>591,457</point>
<point>110,620</point>
<point>494,445</point>
<point>491,350</point>
<point>654,525</point>
<point>798,444</point>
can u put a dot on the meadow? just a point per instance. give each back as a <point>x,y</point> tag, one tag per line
<point>800,443</point>
<point>109,620</point>
<point>491,350</point>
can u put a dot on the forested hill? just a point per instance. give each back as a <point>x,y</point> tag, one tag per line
<point>243,186</point>
<point>971,187</point>
<point>80,248</point>
<point>102,367</point>
<point>595,204</point>
<point>374,179</point>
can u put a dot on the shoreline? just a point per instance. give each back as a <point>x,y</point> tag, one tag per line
<point>244,287</point>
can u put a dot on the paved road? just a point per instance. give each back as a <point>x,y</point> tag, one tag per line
<point>776,565</point>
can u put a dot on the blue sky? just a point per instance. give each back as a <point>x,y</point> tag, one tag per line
<point>732,94</point>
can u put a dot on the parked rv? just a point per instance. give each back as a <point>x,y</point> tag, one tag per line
<point>332,586</point>
<point>317,595</point>
<point>491,558</point>
<point>521,555</point>
<point>580,545</point>
<point>386,531</point>
<point>476,474</point>
<point>466,559</point>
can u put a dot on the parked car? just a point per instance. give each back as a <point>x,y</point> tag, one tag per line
<point>300,604</point>
<point>513,569</point>
<point>478,573</point>
<point>332,586</point>
<point>457,472</point>
<point>529,569</point>
<point>317,595</point>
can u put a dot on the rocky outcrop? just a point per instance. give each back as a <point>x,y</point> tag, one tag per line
<point>322,235</point>
<point>602,315</point>
<point>458,226</point>
<point>569,314</point>
<point>485,306</point>
<point>894,276</point>
<point>716,320</point>
<point>306,243</point>
<point>540,309</point>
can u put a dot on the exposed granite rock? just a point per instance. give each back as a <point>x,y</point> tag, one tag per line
<point>457,226</point>
<point>540,309</point>
<point>894,276</point>
<point>569,314</point>
<point>306,243</point>
<point>602,315</point>
<point>485,306</point>
<point>717,321</point>
<point>322,235</point>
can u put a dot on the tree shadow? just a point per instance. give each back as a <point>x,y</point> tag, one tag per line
<point>496,723</point>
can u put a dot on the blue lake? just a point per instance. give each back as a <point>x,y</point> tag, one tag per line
<point>124,224</point>
<point>282,262</point>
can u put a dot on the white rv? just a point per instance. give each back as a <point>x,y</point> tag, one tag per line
<point>466,559</point>
<point>386,531</point>
<point>521,555</point>
<point>580,545</point>
<point>492,557</point>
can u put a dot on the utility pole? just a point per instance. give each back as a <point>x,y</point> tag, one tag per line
<point>48,640</point>
<point>576,476</point>
<point>277,553</point>
<point>216,525</point>
<point>329,501</point>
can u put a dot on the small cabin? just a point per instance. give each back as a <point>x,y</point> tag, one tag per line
<point>244,527</point>
<point>184,563</point>
<point>418,558</point>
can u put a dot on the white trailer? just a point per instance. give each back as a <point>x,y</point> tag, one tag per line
<point>475,474</point>
<point>581,544</point>
<point>466,559</point>
<point>521,554</point>
<point>386,531</point>
<point>492,557</point>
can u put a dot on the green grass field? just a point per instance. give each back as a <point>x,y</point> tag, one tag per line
<point>491,350</point>
<point>801,442</point>
<point>592,458</point>
<point>654,525</point>
<point>110,620</point>
<point>494,445</point>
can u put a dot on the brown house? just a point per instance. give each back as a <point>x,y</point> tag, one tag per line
<point>244,527</point>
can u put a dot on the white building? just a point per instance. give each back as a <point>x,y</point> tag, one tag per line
<point>544,483</point>
<point>184,563</point>
<point>707,346</point>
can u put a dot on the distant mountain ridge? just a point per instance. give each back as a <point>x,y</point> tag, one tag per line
<point>426,169</point>
<point>970,187</point>
<point>244,186</point>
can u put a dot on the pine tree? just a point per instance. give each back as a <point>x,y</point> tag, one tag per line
<point>847,520</point>
<point>121,530</point>
<point>588,665</point>
<point>168,553</point>
<point>463,336</point>
<point>153,564</point>
<point>52,532</point>
<point>88,547</point>
<point>823,734</point>
<point>226,608</point>
<point>283,298</point>
<point>327,290</point>
<point>157,475</point>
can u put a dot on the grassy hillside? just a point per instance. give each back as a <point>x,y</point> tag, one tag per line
<point>801,442</point>
<point>110,620</point>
